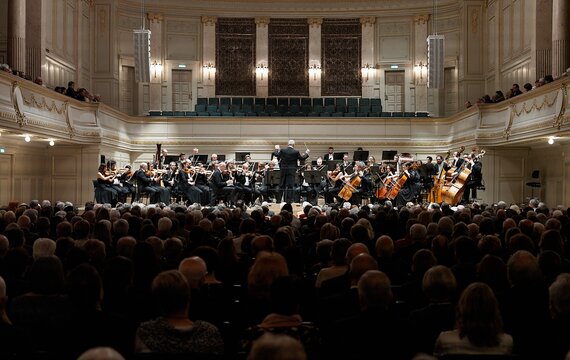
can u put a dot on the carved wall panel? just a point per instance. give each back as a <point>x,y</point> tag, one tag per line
<point>341,51</point>
<point>235,56</point>
<point>288,57</point>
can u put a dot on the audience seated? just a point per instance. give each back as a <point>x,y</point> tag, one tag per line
<point>87,277</point>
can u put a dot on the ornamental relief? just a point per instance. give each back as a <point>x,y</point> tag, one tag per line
<point>185,27</point>
<point>401,28</point>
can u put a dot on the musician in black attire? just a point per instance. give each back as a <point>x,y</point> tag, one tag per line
<point>474,179</point>
<point>245,183</point>
<point>410,189</point>
<point>126,178</point>
<point>201,180</point>
<point>105,182</point>
<point>147,184</point>
<point>288,158</point>
<point>335,183</point>
<point>187,184</point>
<point>222,185</point>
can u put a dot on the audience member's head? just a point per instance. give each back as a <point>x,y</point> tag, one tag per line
<point>276,347</point>
<point>374,290</point>
<point>439,284</point>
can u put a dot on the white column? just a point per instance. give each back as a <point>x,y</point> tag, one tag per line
<point>262,56</point>
<point>315,56</point>
<point>420,62</point>
<point>209,55</point>
<point>17,34</point>
<point>560,37</point>
<point>156,63</point>
<point>369,75</point>
<point>35,45</point>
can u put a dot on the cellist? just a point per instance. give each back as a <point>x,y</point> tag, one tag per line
<point>410,189</point>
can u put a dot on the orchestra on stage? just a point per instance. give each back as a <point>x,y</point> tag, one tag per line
<point>292,176</point>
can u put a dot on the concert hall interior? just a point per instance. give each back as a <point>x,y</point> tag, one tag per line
<point>235,77</point>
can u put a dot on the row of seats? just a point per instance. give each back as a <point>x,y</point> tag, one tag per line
<point>298,107</point>
<point>215,113</point>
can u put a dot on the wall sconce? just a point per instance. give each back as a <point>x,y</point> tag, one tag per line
<point>27,138</point>
<point>551,140</point>
<point>156,67</point>
<point>51,142</point>
<point>261,70</point>
<point>314,69</point>
<point>209,68</point>
<point>366,70</point>
<point>419,72</point>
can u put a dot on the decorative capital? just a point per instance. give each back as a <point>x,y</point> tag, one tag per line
<point>261,21</point>
<point>421,19</point>
<point>368,20</point>
<point>89,2</point>
<point>315,22</point>
<point>154,17</point>
<point>209,20</point>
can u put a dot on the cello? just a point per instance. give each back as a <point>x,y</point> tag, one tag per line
<point>349,187</point>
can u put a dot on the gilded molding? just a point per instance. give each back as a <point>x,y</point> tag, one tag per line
<point>421,19</point>
<point>559,119</point>
<point>32,101</point>
<point>209,20</point>
<point>155,17</point>
<point>368,20</point>
<point>262,22</point>
<point>545,102</point>
<point>315,22</point>
<point>18,103</point>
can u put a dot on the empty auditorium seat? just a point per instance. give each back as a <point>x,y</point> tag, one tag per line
<point>213,101</point>
<point>155,113</point>
<point>179,113</point>
<point>202,101</point>
<point>225,101</point>
<point>167,113</point>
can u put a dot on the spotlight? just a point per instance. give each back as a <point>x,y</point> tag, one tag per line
<point>551,140</point>
<point>51,142</point>
<point>28,138</point>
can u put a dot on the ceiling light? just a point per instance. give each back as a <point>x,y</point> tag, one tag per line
<point>28,138</point>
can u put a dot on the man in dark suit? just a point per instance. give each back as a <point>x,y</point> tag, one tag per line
<point>288,158</point>
<point>474,179</point>
<point>329,155</point>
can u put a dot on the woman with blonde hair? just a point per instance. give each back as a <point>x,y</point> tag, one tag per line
<point>478,328</point>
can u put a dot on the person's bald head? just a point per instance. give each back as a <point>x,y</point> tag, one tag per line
<point>360,265</point>
<point>194,270</point>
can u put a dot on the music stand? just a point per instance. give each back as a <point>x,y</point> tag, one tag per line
<point>169,158</point>
<point>389,155</point>
<point>199,159</point>
<point>240,156</point>
<point>361,155</point>
<point>221,158</point>
<point>313,176</point>
<point>331,164</point>
<point>338,155</point>
<point>274,177</point>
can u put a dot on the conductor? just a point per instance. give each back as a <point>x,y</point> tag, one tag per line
<point>288,164</point>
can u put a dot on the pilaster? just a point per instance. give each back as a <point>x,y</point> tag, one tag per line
<point>315,56</point>
<point>262,56</point>
<point>368,49</point>
<point>420,61</point>
<point>156,61</point>
<point>209,55</point>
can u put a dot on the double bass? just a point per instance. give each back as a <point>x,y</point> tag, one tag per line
<point>434,195</point>
<point>454,191</point>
